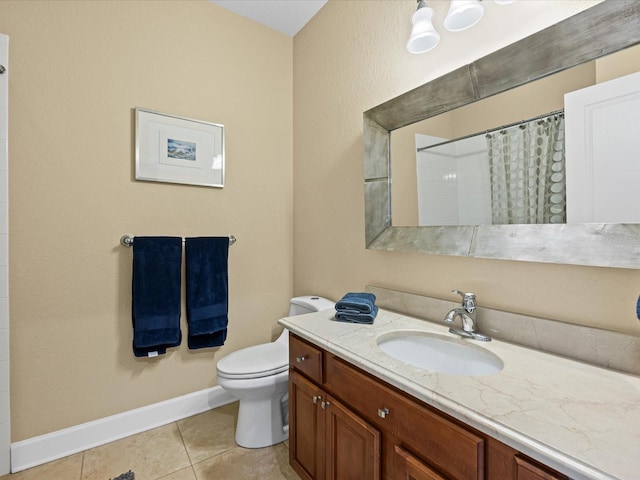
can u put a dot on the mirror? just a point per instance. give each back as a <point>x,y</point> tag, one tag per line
<point>602,29</point>
<point>453,168</point>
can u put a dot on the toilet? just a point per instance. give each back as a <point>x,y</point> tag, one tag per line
<point>259,377</point>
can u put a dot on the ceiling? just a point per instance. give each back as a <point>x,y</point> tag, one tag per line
<point>286,16</point>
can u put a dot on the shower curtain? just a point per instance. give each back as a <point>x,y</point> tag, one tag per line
<point>527,171</point>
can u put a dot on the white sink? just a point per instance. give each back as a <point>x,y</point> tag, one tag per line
<point>439,353</point>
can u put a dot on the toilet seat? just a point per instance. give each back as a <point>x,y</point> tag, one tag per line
<point>255,362</point>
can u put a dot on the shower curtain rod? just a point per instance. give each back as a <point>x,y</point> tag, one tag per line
<point>491,130</point>
<point>127,240</point>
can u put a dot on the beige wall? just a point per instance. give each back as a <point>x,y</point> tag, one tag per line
<point>78,71</point>
<point>623,63</point>
<point>351,58</point>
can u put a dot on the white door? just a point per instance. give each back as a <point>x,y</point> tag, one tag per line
<point>602,128</point>
<point>5,431</point>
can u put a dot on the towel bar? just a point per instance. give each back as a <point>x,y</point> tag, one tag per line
<point>127,240</point>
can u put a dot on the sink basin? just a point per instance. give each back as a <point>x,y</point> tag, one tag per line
<point>439,353</point>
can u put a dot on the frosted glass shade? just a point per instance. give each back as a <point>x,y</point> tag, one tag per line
<point>423,36</point>
<point>463,14</point>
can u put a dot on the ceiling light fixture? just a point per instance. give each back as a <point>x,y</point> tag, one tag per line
<point>462,14</point>
<point>423,36</point>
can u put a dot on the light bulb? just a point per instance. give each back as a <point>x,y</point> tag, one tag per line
<point>463,14</point>
<point>423,36</point>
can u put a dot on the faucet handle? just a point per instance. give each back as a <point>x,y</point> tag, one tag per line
<point>468,300</point>
<point>464,295</point>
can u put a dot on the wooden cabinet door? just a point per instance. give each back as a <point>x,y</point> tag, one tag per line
<point>306,428</point>
<point>409,467</point>
<point>456,451</point>
<point>352,445</point>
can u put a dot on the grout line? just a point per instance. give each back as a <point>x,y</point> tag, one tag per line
<point>195,475</point>
<point>184,445</point>
<point>82,467</point>
<point>172,473</point>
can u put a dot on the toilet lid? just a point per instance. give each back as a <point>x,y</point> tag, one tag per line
<point>256,361</point>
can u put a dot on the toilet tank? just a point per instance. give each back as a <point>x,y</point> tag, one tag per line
<point>309,304</point>
<point>302,305</point>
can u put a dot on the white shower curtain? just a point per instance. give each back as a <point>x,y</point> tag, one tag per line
<point>527,170</point>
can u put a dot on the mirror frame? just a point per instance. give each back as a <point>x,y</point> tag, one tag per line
<point>605,28</point>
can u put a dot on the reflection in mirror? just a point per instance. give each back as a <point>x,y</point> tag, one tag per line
<point>607,27</point>
<point>603,140</point>
<point>509,175</point>
<point>470,169</point>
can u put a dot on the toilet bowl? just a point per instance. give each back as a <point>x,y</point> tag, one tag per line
<point>259,377</point>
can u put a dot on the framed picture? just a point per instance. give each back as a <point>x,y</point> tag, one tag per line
<point>178,150</point>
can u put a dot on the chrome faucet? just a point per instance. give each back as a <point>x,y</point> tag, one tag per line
<point>467,313</point>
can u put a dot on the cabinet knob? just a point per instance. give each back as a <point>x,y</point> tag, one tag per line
<point>302,358</point>
<point>316,399</point>
<point>324,405</point>
<point>383,412</point>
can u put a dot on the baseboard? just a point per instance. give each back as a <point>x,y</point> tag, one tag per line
<point>52,446</point>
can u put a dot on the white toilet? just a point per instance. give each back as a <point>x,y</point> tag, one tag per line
<point>259,377</point>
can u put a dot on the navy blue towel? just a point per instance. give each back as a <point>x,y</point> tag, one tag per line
<point>157,268</point>
<point>207,290</point>
<point>355,317</point>
<point>357,307</point>
<point>363,302</point>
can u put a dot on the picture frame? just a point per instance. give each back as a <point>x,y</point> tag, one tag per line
<point>173,149</point>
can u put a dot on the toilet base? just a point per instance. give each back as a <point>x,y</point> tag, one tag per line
<point>260,423</point>
<point>263,413</point>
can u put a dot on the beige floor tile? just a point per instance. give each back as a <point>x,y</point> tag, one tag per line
<point>184,474</point>
<point>150,455</point>
<point>166,453</point>
<point>210,433</point>
<point>271,463</point>
<point>68,468</point>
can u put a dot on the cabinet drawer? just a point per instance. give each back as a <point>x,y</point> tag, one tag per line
<point>305,358</point>
<point>528,470</point>
<point>453,450</point>
<point>375,402</point>
<point>409,467</point>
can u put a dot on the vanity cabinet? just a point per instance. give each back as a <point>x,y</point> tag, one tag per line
<point>346,423</point>
<point>328,441</point>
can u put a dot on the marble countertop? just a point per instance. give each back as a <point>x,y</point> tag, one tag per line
<point>582,420</point>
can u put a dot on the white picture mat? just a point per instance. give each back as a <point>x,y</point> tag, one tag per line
<point>202,165</point>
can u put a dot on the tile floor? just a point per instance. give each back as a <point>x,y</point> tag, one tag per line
<point>201,447</point>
